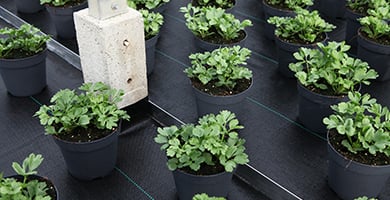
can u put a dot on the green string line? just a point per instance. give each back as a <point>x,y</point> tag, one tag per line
<point>173,17</point>
<point>265,57</point>
<point>134,183</point>
<point>36,101</point>
<point>285,117</point>
<point>250,17</point>
<point>172,58</point>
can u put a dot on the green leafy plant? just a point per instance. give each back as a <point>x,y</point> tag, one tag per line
<point>217,3</point>
<point>13,189</point>
<point>145,4</point>
<point>376,29</point>
<point>204,196</point>
<point>213,24</point>
<point>364,123</point>
<point>59,3</point>
<point>290,4</point>
<point>152,23</point>
<point>330,69</point>
<point>222,67</point>
<point>376,24</point>
<point>306,27</point>
<point>213,141</point>
<point>363,6</point>
<point>365,198</point>
<point>22,42</point>
<point>94,108</point>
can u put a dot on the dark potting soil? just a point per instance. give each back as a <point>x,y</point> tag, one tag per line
<point>216,39</point>
<point>361,9</point>
<point>84,134</point>
<point>364,157</point>
<point>297,40</point>
<point>205,170</point>
<point>19,53</point>
<point>328,92</point>
<point>213,3</point>
<point>212,89</point>
<point>51,191</point>
<point>73,3</point>
<point>384,40</point>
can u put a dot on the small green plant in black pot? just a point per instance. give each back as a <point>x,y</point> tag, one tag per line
<point>203,153</point>
<point>146,4</point>
<point>85,121</point>
<point>22,60</point>
<point>26,185</point>
<point>358,146</point>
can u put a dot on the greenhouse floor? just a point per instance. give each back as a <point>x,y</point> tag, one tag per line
<point>287,161</point>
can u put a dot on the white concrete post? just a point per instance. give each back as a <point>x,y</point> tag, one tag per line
<point>113,50</point>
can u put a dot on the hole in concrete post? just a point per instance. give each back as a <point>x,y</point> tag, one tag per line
<point>129,80</point>
<point>126,43</point>
<point>114,6</point>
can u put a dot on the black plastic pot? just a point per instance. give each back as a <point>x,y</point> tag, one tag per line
<point>203,45</point>
<point>207,103</point>
<point>90,160</point>
<point>332,8</point>
<point>51,191</point>
<point>350,179</point>
<point>161,8</point>
<point>285,52</point>
<point>313,107</point>
<point>351,33</point>
<point>269,11</point>
<point>377,56</point>
<point>150,46</point>
<point>28,6</point>
<point>187,185</point>
<point>62,18</point>
<point>26,76</point>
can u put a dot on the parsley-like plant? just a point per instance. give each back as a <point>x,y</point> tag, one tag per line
<point>22,42</point>
<point>95,107</point>
<point>59,3</point>
<point>213,141</point>
<point>204,196</point>
<point>330,69</point>
<point>146,4</point>
<point>290,4</point>
<point>363,6</point>
<point>223,67</point>
<point>363,122</point>
<point>213,24</point>
<point>307,27</point>
<point>365,198</point>
<point>26,189</point>
<point>217,3</point>
<point>376,24</point>
<point>152,23</point>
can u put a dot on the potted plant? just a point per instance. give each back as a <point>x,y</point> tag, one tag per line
<point>356,9</point>
<point>358,147</point>
<point>151,5</point>
<point>374,41</point>
<point>26,184</point>
<point>213,27</point>
<point>152,25</point>
<point>204,196</point>
<point>304,30</point>
<point>203,156</point>
<point>23,60</point>
<point>325,76</point>
<point>28,6</point>
<point>224,4</point>
<point>61,13</point>
<point>219,79</point>
<point>365,198</point>
<point>281,8</point>
<point>85,126</point>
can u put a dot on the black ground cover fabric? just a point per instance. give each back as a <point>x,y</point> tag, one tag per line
<point>277,145</point>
